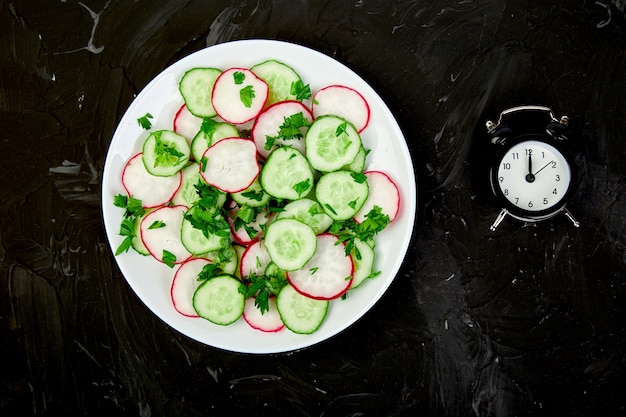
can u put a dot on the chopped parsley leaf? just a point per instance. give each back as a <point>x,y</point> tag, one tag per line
<point>168,258</point>
<point>239,76</point>
<point>302,186</point>
<point>246,95</point>
<point>157,224</point>
<point>341,129</point>
<point>300,90</point>
<point>144,121</point>
<point>359,177</point>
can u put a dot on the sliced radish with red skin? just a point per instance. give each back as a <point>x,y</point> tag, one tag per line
<point>342,101</point>
<point>254,259</point>
<point>164,235</point>
<point>383,193</point>
<point>153,191</point>
<point>186,124</point>
<point>328,274</point>
<point>230,164</point>
<point>185,284</point>
<point>269,121</point>
<point>239,95</point>
<point>268,321</point>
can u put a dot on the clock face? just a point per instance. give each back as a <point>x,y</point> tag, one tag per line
<point>533,177</point>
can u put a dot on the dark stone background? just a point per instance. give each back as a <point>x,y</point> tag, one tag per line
<point>524,321</point>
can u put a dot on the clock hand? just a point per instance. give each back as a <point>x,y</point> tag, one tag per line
<point>530,177</point>
<point>551,162</point>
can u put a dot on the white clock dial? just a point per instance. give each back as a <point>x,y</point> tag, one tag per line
<point>533,176</point>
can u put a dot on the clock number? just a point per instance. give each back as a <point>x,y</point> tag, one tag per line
<point>501,179</point>
<point>530,204</point>
<point>545,201</point>
<point>506,165</point>
<point>554,191</point>
<point>553,164</point>
<point>506,191</point>
<point>558,177</point>
<point>529,152</point>
<point>515,155</point>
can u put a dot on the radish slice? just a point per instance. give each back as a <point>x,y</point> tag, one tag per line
<point>153,191</point>
<point>268,321</point>
<point>239,95</point>
<point>383,193</point>
<point>254,259</point>
<point>186,124</point>
<point>185,284</point>
<point>342,101</point>
<point>160,233</point>
<point>270,120</point>
<point>328,274</point>
<point>230,164</point>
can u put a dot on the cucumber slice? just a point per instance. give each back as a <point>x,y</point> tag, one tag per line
<point>287,174</point>
<point>196,87</point>
<point>210,133</point>
<point>290,243</point>
<point>331,143</point>
<point>227,258</point>
<point>194,239</point>
<point>136,242</point>
<point>309,212</point>
<point>187,194</point>
<point>253,196</point>
<point>165,153</point>
<point>363,259</point>
<point>342,193</point>
<point>219,301</point>
<point>279,77</point>
<point>358,165</point>
<point>300,314</point>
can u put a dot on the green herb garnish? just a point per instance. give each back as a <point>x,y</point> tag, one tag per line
<point>157,224</point>
<point>246,95</point>
<point>144,121</point>
<point>165,153</point>
<point>168,258</point>
<point>132,210</point>
<point>262,287</point>
<point>302,186</point>
<point>349,230</point>
<point>290,129</point>
<point>300,90</point>
<point>239,76</point>
<point>341,129</point>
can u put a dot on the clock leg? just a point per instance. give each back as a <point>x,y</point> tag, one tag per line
<point>571,217</point>
<point>499,219</point>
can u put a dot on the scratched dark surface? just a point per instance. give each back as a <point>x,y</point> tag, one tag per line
<point>525,321</point>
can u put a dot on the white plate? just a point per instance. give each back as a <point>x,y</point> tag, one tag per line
<point>151,280</point>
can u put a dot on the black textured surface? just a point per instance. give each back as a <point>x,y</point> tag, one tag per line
<point>524,321</point>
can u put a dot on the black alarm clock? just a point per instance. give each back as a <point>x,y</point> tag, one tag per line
<point>531,174</point>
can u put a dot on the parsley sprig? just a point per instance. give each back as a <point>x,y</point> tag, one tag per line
<point>349,230</point>
<point>144,121</point>
<point>165,153</point>
<point>290,129</point>
<point>262,287</point>
<point>132,210</point>
<point>300,90</point>
<point>216,267</point>
<point>206,215</point>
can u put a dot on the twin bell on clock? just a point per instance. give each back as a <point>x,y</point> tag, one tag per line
<point>531,174</point>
